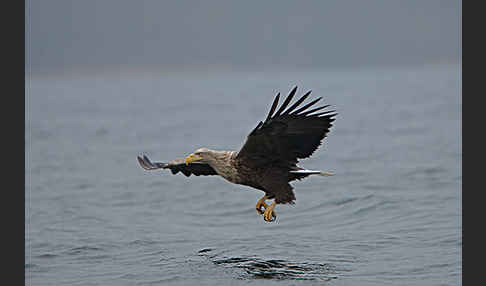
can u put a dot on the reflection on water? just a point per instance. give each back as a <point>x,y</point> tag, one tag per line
<point>255,267</point>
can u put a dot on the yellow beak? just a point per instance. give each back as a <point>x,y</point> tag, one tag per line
<point>192,158</point>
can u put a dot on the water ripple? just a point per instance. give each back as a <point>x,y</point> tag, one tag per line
<point>255,267</point>
<point>82,250</point>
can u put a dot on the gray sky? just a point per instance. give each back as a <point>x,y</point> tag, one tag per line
<point>67,34</point>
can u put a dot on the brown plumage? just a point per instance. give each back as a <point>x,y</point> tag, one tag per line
<point>268,159</point>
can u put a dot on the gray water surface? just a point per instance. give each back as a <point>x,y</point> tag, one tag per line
<point>391,215</point>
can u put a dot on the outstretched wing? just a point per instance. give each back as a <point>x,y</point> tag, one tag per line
<point>176,166</point>
<point>288,134</point>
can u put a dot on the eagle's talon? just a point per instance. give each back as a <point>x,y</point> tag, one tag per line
<point>261,203</point>
<point>269,214</point>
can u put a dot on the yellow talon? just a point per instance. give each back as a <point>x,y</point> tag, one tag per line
<point>270,214</point>
<point>261,203</point>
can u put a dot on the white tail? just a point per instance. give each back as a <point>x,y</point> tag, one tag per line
<point>312,172</point>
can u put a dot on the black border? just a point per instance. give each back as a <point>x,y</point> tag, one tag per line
<point>473,142</point>
<point>13,135</point>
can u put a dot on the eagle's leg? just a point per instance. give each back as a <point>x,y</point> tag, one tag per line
<point>270,214</point>
<point>261,203</point>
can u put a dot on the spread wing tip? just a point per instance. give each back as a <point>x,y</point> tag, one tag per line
<point>286,102</point>
<point>145,163</point>
<point>142,163</point>
<point>274,106</point>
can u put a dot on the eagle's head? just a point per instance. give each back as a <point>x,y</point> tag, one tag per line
<point>200,155</point>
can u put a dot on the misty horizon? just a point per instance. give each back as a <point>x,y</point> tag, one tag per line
<point>70,35</point>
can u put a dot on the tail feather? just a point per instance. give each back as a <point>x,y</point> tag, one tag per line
<point>312,172</point>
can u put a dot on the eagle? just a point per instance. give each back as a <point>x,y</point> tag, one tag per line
<point>268,159</point>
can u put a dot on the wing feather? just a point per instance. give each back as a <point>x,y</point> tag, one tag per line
<point>274,105</point>
<point>314,110</point>
<point>177,166</point>
<point>306,106</point>
<point>286,102</point>
<point>288,135</point>
<point>297,103</point>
